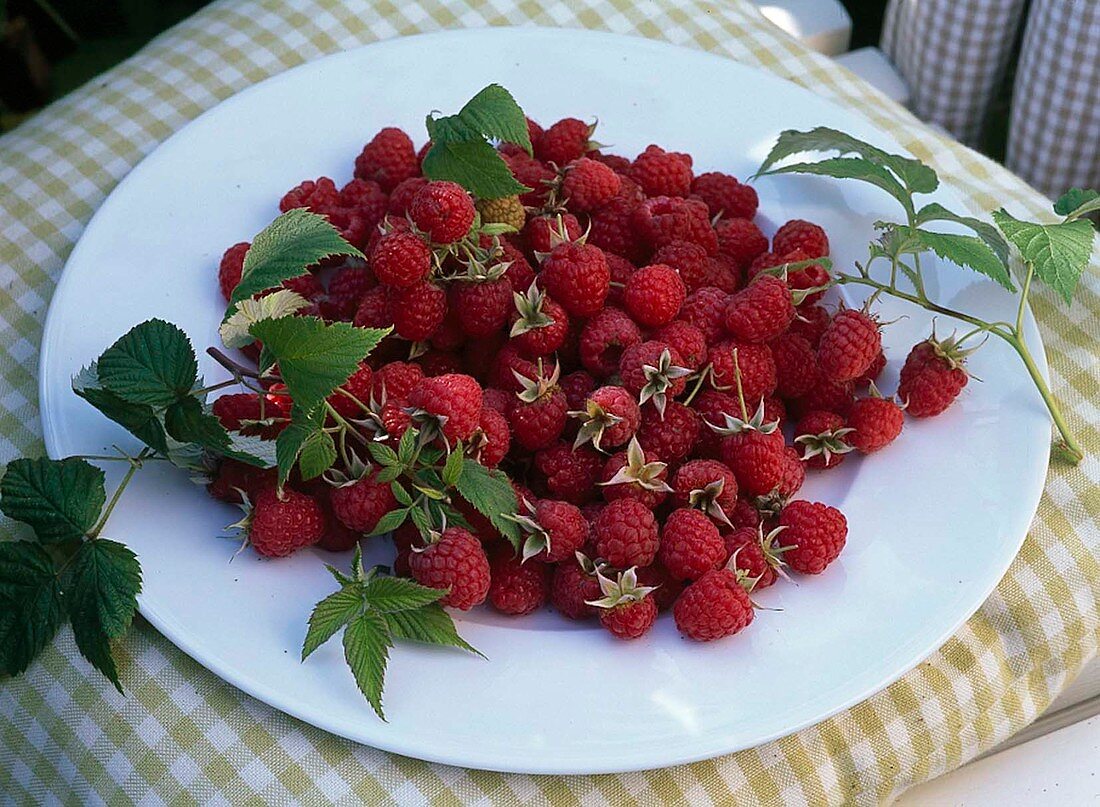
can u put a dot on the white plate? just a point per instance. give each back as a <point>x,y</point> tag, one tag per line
<point>935,520</point>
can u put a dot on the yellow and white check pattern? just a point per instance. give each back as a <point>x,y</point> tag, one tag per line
<point>183,736</point>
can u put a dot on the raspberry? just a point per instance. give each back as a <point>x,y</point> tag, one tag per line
<point>794,474</point>
<point>713,406</point>
<point>823,437</point>
<point>230,268</point>
<point>519,271</point>
<point>498,400</point>
<point>539,416</point>
<point>543,233</point>
<point>608,417</point>
<point>799,234</point>
<point>533,174</point>
<point>367,199</point>
<point>663,219</point>
<point>577,386</point>
<point>603,340</point>
<point>799,279</point>
<point>565,141</point>
<point>418,310</point>
<point>539,324</point>
<point>374,309</point>
<point>395,380</point>
<point>401,196</point>
<point>612,229</point>
<point>810,322</point>
<point>236,412</point>
<point>307,286</point>
<point>671,435</point>
<point>759,312</point>
<point>633,474</point>
<point>571,474</point>
<point>453,400</point>
<point>713,607</point>
<point>873,372</point>
<point>834,396</point>
<point>483,306</point>
<point>400,259</point>
<point>705,308</point>
<point>518,588</point>
<point>576,275</point>
<point>572,587</point>
<point>932,377</point>
<point>387,159</point>
<point>667,588</point>
<point>358,387</point>
<point>745,514</point>
<point>707,485</point>
<point>626,534</point>
<point>506,364</point>
<point>850,343</point>
<point>815,533</point>
<point>626,608</point>
<point>345,291</point>
<point>616,162</point>
<point>361,504</point>
<point>505,210</point>
<point>232,477</point>
<point>756,365</point>
<point>754,555</point>
<point>443,210</point>
<point>685,339</point>
<point>492,438</point>
<point>690,544</point>
<point>661,173</point>
<point>756,459</point>
<point>688,259</point>
<point>653,295</point>
<point>725,196</point>
<point>741,241</point>
<point>449,336</point>
<point>876,423</point>
<point>337,537</point>
<point>312,195</point>
<point>453,560</point>
<point>795,365</point>
<point>279,526</point>
<point>555,531</point>
<point>588,185</point>
<point>621,269</point>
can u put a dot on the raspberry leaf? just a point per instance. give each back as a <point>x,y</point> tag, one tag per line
<point>389,594</point>
<point>101,597</point>
<point>153,363</point>
<point>59,499</point>
<point>330,614</point>
<point>452,469</point>
<point>367,646</point>
<point>285,249</point>
<point>851,168</point>
<point>473,164</point>
<point>383,454</point>
<point>1058,253</point>
<point>968,251</point>
<point>430,624</point>
<point>245,313</point>
<point>933,211</point>
<point>491,494</point>
<point>494,113</point>
<point>141,420</point>
<point>306,443</point>
<point>1077,202</point>
<point>31,607</point>
<point>391,521</point>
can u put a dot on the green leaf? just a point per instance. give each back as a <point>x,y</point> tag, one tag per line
<point>59,499</point>
<point>101,597</point>
<point>141,420</point>
<point>391,521</point>
<point>968,251</point>
<point>1059,252</point>
<point>30,604</point>
<point>366,648</point>
<point>301,439</point>
<point>246,313</point>
<point>186,422</point>
<point>933,211</point>
<point>1077,202</point>
<point>383,454</point>
<point>330,614</point>
<point>494,113</point>
<point>452,469</point>
<point>389,594</point>
<point>389,473</point>
<point>851,168</point>
<point>406,447</point>
<point>252,449</point>
<point>430,624</point>
<point>491,494</point>
<point>401,494</point>
<point>284,250</point>
<point>473,164</point>
<point>917,176</point>
<point>314,357</point>
<point>421,520</point>
<point>153,363</point>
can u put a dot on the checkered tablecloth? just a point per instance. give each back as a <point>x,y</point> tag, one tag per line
<point>181,735</point>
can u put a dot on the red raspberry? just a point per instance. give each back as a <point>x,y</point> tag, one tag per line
<point>402,195</point>
<point>815,534</point>
<point>361,504</point>
<point>690,544</point>
<point>576,275</point>
<point>795,365</point>
<point>823,438</point>
<point>519,270</point>
<point>745,514</point>
<point>653,295</point>
<point>689,260</point>
<point>664,219</point>
<point>667,588</point>
<point>534,175</point>
<point>539,324</point>
<point>799,234</point>
<point>647,372</point>
<point>337,537</point>
<point>932,378</point>
<point>418,310</point>
<point>609,416</point>
<point>834,396</point>
<point>443,210</point>
<point>395,380</point>
<point>235,410</point>
<point>627,608</point>
<point>358,387</point>
<point>626,534</point>
<point>756,364</point>
<point>603,340</point>
<point>345,291</point>
<point>705,308</point>
<point>810,323</point>
<point>279,526</point>
<point>616,162</point>
<point>713,607</point>
<point>572,588</point>
<point>449,336</point>
<point>873,372</point>
<point>453,560</point>
<point>483,306</point>
<point>543,233</point>
<point>712,406</point>
<point>707,485</point>
<point>808,277</point>
<point>719,271</point>
<point>671,436</point>
<point>492,438</point>
<point>876,422</point>
<point>400,259</point>
<point>539,416</point>
<point>555,531</point>
<point>374,309</point>
<point>571,474</point>
<point>565,141</point>
<point>518,588</point>
<point>761,311</point>
<point>497,399</point>
<point>661,173</point>
<point>756,459</point>
<point>388,158</point>
<point>577,386</point>
<point>312,195</point>
<point>612,229</point>
<point>633,474</point>
<point>621,269</point>
<point>307,286</point>
<point>754,555</point>
<point>453,396</point>
<point>229,270</point>
<point>232,477</point>
<point>794,474</point>
<point>741,241</point>
<point>850,344</point>
<point>685,339</point>
<point>367,199</point>
<point>725,196</point>
<point>588,185</point>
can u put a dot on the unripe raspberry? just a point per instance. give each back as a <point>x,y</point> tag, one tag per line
<point>505,210</point>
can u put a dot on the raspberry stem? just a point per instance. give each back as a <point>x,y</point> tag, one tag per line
<point>135,464</point>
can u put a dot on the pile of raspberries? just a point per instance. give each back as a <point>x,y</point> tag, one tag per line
<point>632,350</point>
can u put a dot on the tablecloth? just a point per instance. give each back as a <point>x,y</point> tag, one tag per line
<point>181,735</point>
